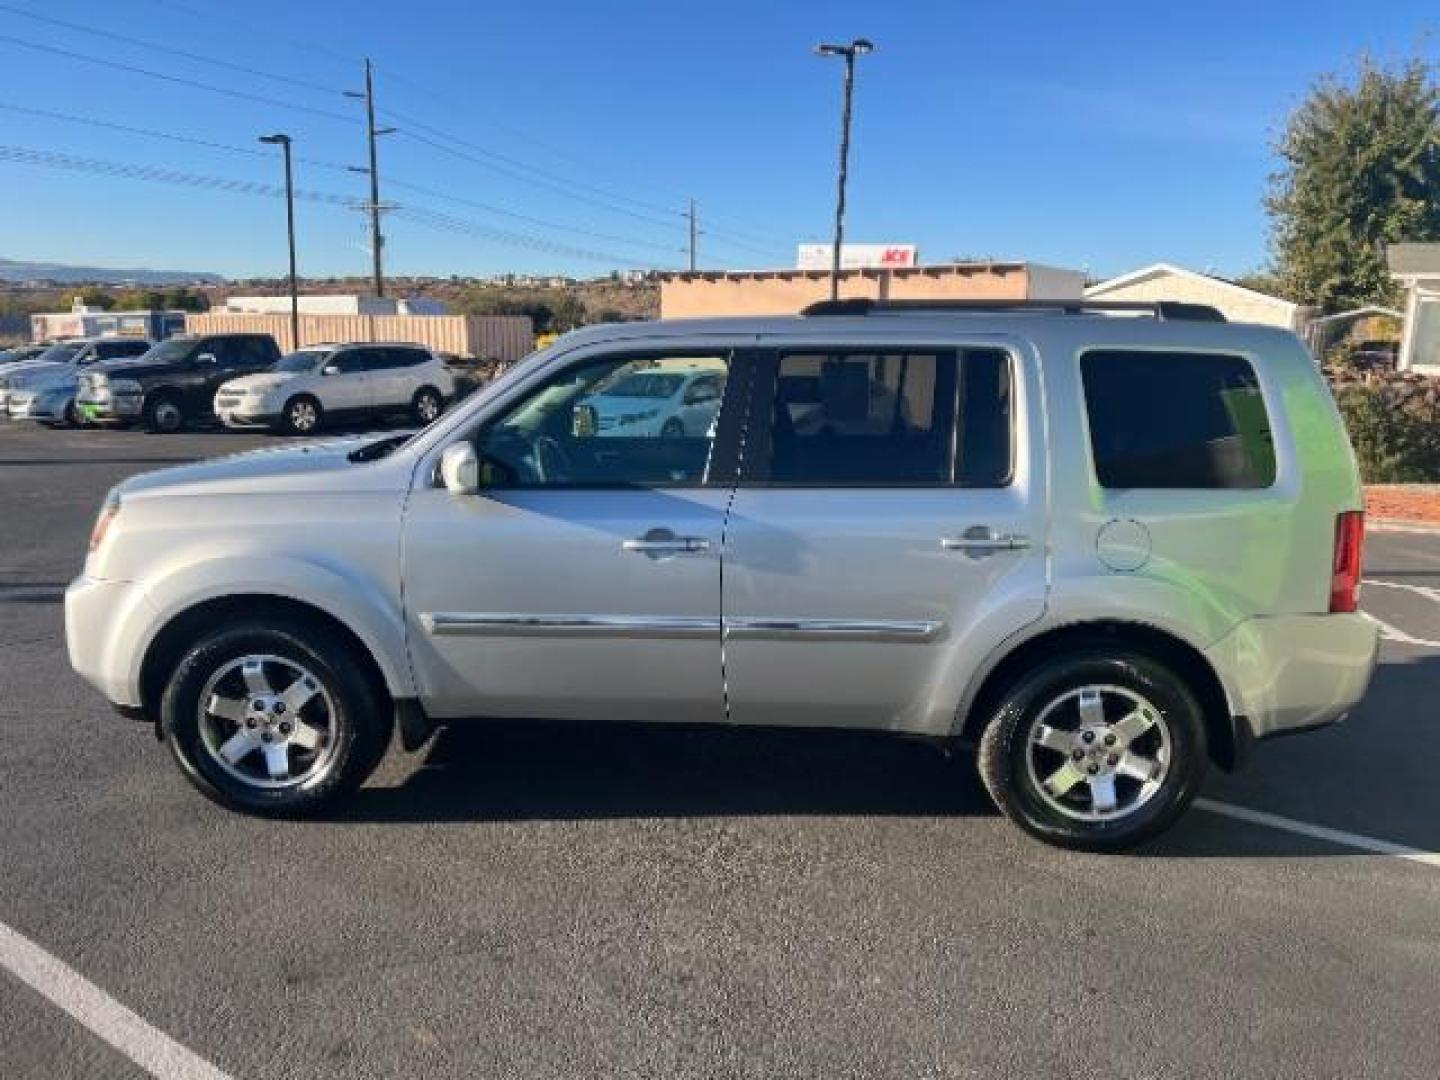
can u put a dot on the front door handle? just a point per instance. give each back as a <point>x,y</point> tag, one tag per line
<point>662,543</point>
<point>981,539</point>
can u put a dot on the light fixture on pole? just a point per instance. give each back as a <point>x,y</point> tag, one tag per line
<point>858,47</point>
<point>283,141</point>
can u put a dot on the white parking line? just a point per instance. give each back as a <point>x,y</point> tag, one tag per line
<point>1394,633</point>
<point>1321,832</point>
<point>1428,592</point>
<point>145,1045</point>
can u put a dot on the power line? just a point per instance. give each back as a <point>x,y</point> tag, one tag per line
<point>256,152</point>
<point>737,237</point>
<point>55,159</point>
<point>744,233</point>
<point>49,114</point>
<point>528,219</point>
<point>52,159</point>
<point>168,49</point>
<point>176,79</point>
<point>311,48</point>
<point>449,223</point>
<point>417,129</point>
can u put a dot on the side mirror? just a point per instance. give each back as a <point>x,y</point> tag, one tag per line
<point>460,469</point>
<point>206,358</point>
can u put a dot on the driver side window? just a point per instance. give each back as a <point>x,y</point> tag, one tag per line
<point>620,421</point>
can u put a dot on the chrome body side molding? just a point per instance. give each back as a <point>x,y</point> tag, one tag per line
<point>890,630</point>
<point>485,624</point>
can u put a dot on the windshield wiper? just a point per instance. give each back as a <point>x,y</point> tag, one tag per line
<point>377,450</point>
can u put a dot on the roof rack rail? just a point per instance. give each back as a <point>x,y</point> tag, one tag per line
<point>1162,310</point>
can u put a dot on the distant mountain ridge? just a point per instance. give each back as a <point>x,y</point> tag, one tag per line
<point>21,271</point>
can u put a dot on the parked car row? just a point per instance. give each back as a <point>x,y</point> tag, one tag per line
<point>239,379</point>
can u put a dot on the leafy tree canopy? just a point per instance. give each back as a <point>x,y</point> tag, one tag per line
<point>1360,170</point>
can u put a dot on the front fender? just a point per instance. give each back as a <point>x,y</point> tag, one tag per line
<point>351,597</point>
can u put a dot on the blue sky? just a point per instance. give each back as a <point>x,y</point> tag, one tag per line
<point>1097,136</point>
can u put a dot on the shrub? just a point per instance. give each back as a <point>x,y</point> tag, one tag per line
<point>1394,425</point>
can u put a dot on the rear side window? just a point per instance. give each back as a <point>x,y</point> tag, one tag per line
<point>110,350</point>
<point>352,361</point>
<point>1176,420</point>
<point>890,419</point>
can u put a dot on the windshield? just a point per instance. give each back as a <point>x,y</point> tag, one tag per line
<point>304,360</point>
<point>167,351</point>
<point>60,354</point>
<point>645,385</point>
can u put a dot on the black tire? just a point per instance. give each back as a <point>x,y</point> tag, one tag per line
<point>672,428</point>
<point>427,405</point>
<point>71,416</point>
<point>164,414</point>
<point>302,415</point>
<point>358,727</point>
<point>1006,750</point>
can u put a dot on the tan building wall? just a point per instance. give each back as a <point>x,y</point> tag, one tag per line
<point>506,338</point>
<point>786,292</point>
<point>1236,303</point>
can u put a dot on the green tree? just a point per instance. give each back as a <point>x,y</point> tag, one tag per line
<point>1360,170</point>
<point>95,296</point>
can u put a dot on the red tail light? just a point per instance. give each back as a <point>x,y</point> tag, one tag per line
<point>1345,581</point>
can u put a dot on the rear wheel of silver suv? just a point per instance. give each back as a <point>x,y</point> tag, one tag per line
<point>274,717</point>
<point>1097,750</point>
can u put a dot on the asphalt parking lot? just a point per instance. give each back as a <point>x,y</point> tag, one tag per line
<point>523,902</point>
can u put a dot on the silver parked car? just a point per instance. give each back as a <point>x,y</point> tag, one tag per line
<point>44,386</point>
<point>1110,547</point>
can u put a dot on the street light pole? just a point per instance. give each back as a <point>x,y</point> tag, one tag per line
<point>283,141</point>
<point>858,47</point>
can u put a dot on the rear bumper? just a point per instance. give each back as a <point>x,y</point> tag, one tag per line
<point>1290,673</point>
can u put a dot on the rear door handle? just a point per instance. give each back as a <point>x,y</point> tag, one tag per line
<point>981,539</point>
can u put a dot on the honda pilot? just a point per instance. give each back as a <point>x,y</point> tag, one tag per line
<point>1110,545</point>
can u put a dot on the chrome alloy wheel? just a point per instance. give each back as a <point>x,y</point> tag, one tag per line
<point>268,722</point>
<point>427,406</point>
<point>303,416</point>
<point>1098,753</point>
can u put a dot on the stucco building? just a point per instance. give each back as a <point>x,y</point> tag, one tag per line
<point>785,292</point>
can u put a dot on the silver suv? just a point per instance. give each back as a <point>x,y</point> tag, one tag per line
<point>1108,546</point>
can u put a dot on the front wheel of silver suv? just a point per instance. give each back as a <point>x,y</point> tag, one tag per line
<point>274,716</point>
<point>1097,750</point>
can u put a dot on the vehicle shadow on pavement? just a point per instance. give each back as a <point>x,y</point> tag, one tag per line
<point>1372,775</point>
<point>521,770</point>
<point>538,770</point>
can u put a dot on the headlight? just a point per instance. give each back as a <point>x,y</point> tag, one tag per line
<point>108,512</point>
<point>123,386</point>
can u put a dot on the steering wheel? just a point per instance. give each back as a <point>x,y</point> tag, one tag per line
<point>552,464</point>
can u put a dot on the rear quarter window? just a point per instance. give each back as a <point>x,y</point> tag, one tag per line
<point>1162,419</point>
